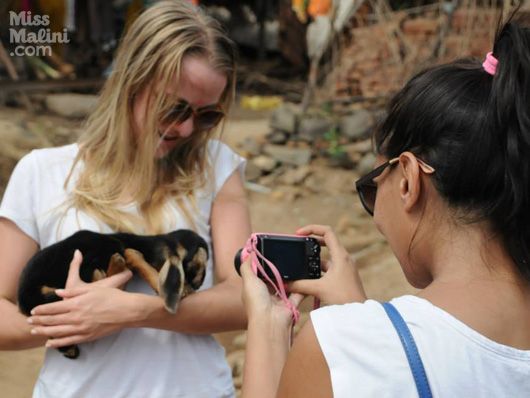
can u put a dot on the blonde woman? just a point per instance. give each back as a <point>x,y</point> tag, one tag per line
<point>146,164</point>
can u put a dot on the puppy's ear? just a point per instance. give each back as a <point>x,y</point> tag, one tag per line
<point>171,283</point>
<point>195,268</point>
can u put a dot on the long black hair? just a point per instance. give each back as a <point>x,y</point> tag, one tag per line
<point>474,129</point>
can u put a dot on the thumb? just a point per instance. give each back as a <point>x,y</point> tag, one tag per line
<point>296,298</point>
<point>73,278</point>
<point>117,280</point>
<point>309,287</point>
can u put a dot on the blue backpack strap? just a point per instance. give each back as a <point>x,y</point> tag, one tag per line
<point>413,356</point>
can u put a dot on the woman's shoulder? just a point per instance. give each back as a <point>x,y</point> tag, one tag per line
<point>217,148</point>
<point>224,161</point>
<point>59,153</point>
<point>45,160</point>
<point>42,158</point>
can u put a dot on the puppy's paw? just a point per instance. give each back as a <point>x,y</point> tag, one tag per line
<point>171,283</point>
<point>70,351</point>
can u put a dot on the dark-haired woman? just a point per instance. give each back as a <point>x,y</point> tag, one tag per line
<point>451,193</point>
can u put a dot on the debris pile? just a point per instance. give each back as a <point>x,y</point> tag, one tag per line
<point>299,145</point>
<point>382,48</point>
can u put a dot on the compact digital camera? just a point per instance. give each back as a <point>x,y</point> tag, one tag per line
<point>295,257</point>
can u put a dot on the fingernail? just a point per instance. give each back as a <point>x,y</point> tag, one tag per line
<point>77,252</point>
<point>32,312</point>
<point>48,344</point>
<point>59,291</point>
<point>33,331</point>
<point>29,320</point>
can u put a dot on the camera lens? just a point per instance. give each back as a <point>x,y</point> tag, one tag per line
<point>237,261</point>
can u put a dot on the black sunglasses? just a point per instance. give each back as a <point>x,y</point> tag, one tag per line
<point>204,119</point>
<point>367,188</point>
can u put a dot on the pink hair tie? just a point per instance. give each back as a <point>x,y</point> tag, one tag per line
<point>490,64</point>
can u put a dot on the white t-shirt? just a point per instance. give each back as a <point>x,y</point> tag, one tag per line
<point>366,359</point>
<point>136,362</point>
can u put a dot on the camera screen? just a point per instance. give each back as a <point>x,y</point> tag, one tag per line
<point>287,255</point>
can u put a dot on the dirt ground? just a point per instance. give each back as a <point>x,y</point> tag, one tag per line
<point>336,205</point>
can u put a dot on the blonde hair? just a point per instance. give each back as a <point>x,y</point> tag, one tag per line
<point>115,160</point>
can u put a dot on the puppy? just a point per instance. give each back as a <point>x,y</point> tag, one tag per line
<point>174,265</point>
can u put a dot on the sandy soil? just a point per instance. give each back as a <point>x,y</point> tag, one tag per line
<point>379,270</point>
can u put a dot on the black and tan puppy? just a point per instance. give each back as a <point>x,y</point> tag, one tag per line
<point>173,264</point>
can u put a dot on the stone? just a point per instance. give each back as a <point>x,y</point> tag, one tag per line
<point>252,172</point>
<point>17,141</point>
<point>311,128</point>
<point>357,125</point>
<point>293,156</point>
<point>71,105</point>
<point>264,163</point>
<point>277,137</point>
<point>361,147</point>
<point>284,118</point>
<point>240,341</point>
<point>314,183</point>
<point>366,164</point>
<point>236,361</point>
<point>251,146</point>
<point>341,159</point>
<point>296,176</point>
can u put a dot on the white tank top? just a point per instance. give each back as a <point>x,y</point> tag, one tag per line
<point>366,358</point>
<point>137,362</point>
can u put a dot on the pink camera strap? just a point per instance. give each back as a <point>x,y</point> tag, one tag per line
<point>251,250</point>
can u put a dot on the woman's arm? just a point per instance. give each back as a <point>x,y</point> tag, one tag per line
<point>220,308</point>
<point>270,368</point>
<point>92,312</point>
<point>306,372</point>
<point>16,248</point>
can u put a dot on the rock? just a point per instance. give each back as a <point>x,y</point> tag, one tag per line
<point>296,176</point>
<point>17,141</point>
<point>341,159</point>
<point>362,147</point>
<point>236,361</point>
<point>286,194</point>
<point>277,137</point>
<point>284,118</point>
<point>314,183</point>
<point>311,128</point>
<point>357,125</point>
<point>294,156</point>
<point>366,164</point>
<point>252,172</point>
<point>251,146</point>
<point>240,341</point>
<point>264,163</point>
<point>71,105</point>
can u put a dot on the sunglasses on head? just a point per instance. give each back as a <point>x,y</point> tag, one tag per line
<point>205,118</point>
<point>367,187</point>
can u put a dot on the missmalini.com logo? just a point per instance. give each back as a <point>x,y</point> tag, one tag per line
<point>31,36</point>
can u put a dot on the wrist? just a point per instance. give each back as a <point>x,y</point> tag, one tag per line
<point>270,326</point>
<point>145,309</point>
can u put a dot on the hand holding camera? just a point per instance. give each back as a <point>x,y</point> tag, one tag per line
<point>297,260</point>
<point>341,282</point>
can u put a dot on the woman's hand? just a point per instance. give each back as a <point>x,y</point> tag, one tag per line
<point>87,312</point>
<point>341,283</point>
<point>260,304</point>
